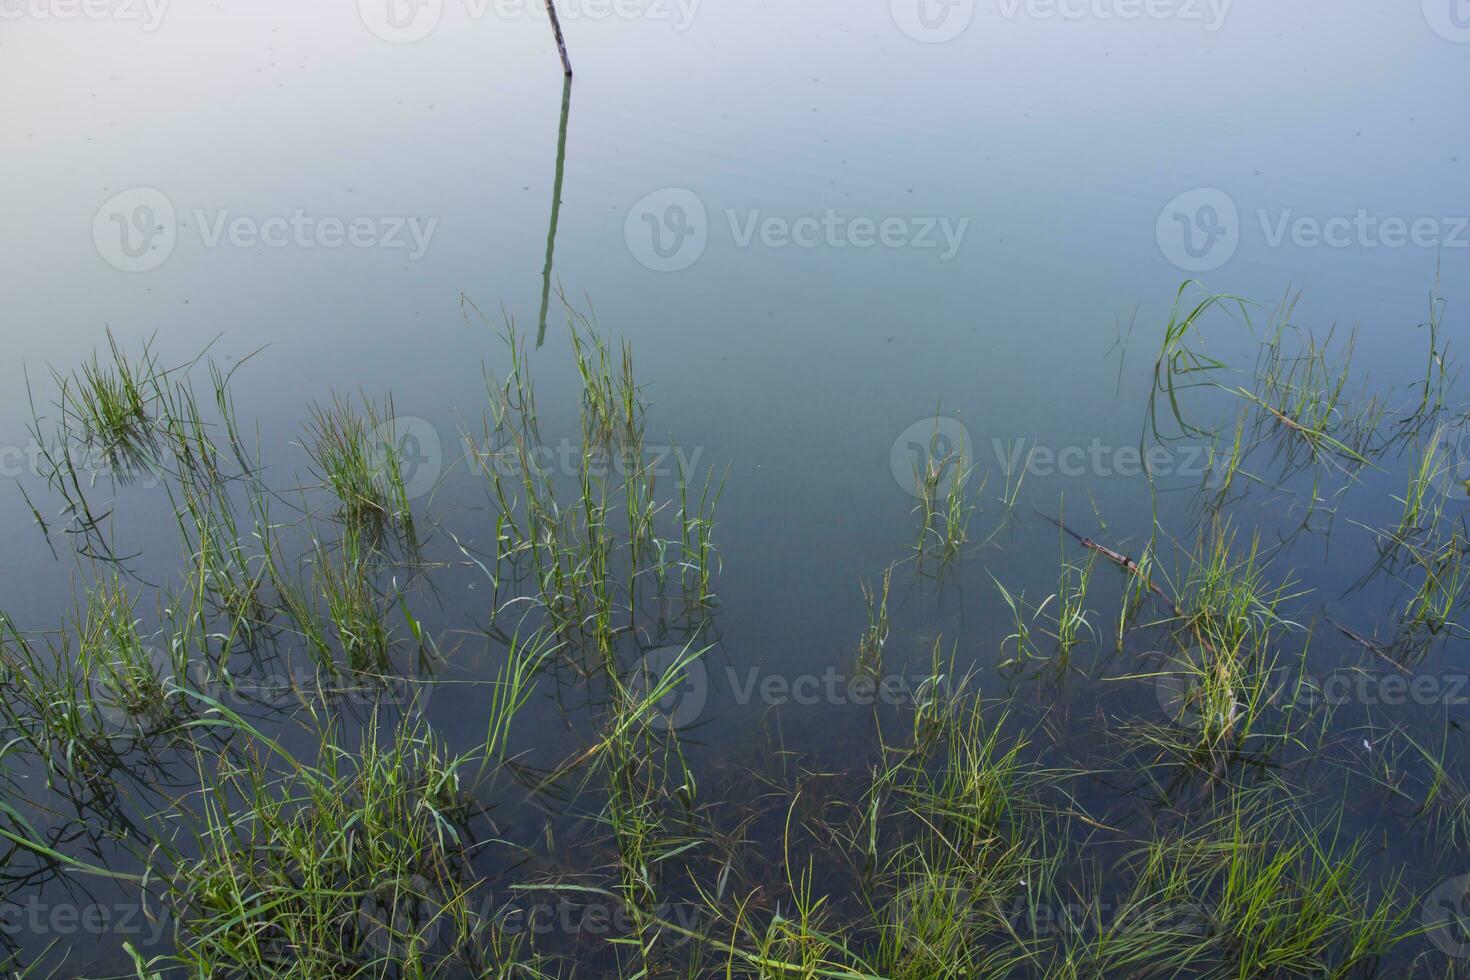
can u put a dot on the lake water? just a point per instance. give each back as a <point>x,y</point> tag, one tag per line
<point>819,226</point>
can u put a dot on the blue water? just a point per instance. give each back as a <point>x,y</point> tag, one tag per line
<point>819,225</point>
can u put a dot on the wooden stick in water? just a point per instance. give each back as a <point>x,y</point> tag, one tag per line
<point>1117,558</point>
<point>561,44</point>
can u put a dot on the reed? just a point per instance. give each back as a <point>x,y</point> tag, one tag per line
<point>968,833</point>
<point>357,456</point>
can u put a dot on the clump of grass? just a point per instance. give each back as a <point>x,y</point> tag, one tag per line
<point>100,684</point>
<point>1136,591</point>
<point>356,455</point>
<point>1264,896</point>
<point>1224,468</point>
<point>1179,366</point>
<point>1303,393</point>
<point>1443,578</point>
<point>646,776</point>
<point>226,574</point>
<point>1063,616</point>
<point>357,612</point>
<point>126,675</point>
<point>1425,549</point>
<point>46,705</point>
<point>1425,778</point>
<point>596,555</point>
<point>111,404</point>
<point>1228,670</point>
<point>944,507</point>
<point>339,615</point>
<point>875,636</point>
<point>967,846</point>
<point>1422,509</point>
<point>1071,605</point>
<point>354,865</point>
<point>1227,598</point>
<point>696,529</point>
<point>613,412</point>
<point>1020,636</point>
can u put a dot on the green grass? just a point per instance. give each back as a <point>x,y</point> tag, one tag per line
<point>356,455</point>
<point>112,402</point>
<point>987,826</point>
<point>1227,673</point>
<point>944,505</point>
<point>1249,892</point>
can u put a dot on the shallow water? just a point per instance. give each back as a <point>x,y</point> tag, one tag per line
<point>818,226</point>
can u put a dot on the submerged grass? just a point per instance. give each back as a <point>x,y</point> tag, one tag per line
<point>1227,674</point>
<point>943,502</point>
<point>947,843</point>
<point>359,457</point>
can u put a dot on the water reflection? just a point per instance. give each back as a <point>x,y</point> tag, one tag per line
<point>561,160</point>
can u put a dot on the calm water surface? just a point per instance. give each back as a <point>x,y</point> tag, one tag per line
<point>817,228</point>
